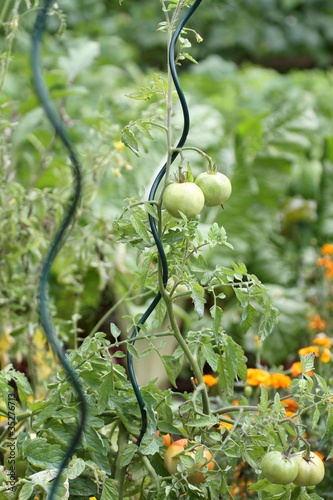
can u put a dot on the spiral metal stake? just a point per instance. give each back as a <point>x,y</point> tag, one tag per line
<point>59,238</point>
<point>152,223</point>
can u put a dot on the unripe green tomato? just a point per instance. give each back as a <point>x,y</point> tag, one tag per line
<point>310,471</point>
<point>185,197</point>
<point>278,469</point>
<point>215,186</point>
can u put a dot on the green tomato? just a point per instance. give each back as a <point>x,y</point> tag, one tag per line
<point>278,469</point>
<point>311,471</point>
<point>216,188</point>
<point>185,197</point>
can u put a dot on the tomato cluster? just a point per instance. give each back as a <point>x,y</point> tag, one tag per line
<point>188,198</point>
<point>300,469</point>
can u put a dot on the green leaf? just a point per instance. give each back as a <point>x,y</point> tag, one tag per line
<point>198,297</point>
<point>26,491</point>
<point>128,454</point>
<point>249,315</point>
<point>115,331</point>
<point>128,138</point>
<point>139,226</point>
<point>307,362</point>
<point>132,350</point>
<point>80,57</point>
<point>329,426</point>
<point>22,384</point>
<point>106,388</point>
<point>75,467</point>
<point>210,356</point>
<point>110,490</point>
<point>44,455</point>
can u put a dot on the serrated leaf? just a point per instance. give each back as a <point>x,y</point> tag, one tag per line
<point>139,226</point>
<point>128,454</point>
<point>128,138</point>
<point>307,362</point>
<point>106,388</point>
<point>41,454</point>
<point>198,297</point>
<point>321,382</point>
<point>210,356</point>
<point>329,426</point>
<point>110,490</point>
<point>208,421</point>
<point>249,316</point>
<point>75,468</point>
<point>216,313</point>
<point>149,445</point>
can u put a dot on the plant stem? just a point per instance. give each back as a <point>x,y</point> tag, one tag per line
<point>193,363</point>
<point>120,472</point>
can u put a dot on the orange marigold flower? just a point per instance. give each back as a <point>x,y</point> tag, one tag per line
<point>327,263</point>
<point>320,455</point>
<point>324,354</point>
<point>228,425</point>
<point>296,369</point>
<point>280,380</point>
<point>290,404</point>
<point>327,249</point>
<point>323,340</point>
<point>256,376</point>
<point>317,323</point>
<point>290,414</point>
<point>209,380</point>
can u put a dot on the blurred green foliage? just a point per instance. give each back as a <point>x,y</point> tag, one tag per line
<point>271,133</point>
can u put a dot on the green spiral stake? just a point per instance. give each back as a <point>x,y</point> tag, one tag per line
<point>152,223</point>
<point>59,238</point>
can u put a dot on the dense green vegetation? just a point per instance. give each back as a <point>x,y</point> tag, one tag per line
<point>272,133</point>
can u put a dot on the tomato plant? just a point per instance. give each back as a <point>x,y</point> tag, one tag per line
<point>200,376</point>
<point>311,470</point>
<point>278,468</point>
<point>183,197</point>
<point>215,186</point>
<point>172,460</point>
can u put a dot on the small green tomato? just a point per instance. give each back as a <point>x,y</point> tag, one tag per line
<point>185,197</point>
<point>215,186</point>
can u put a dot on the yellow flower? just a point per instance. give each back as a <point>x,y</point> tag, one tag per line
<point>6,341</point>
<point>116,172</point>
<point>256,376</point>
<point>118,145</point>
<point>327,249</point>
<point>280,380</point>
